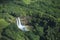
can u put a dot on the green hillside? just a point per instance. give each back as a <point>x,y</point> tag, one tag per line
<point>43,16</point>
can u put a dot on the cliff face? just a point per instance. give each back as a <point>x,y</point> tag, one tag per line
<point>42,17</point>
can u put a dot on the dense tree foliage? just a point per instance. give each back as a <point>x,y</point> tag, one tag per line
<point>42,15</point>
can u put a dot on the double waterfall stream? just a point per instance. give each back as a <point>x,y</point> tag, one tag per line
<point>20,26</point>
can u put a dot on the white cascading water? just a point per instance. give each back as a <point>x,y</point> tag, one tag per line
<point>20,26</point>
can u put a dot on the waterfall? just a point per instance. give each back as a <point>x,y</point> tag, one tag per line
<point>20,26</point>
